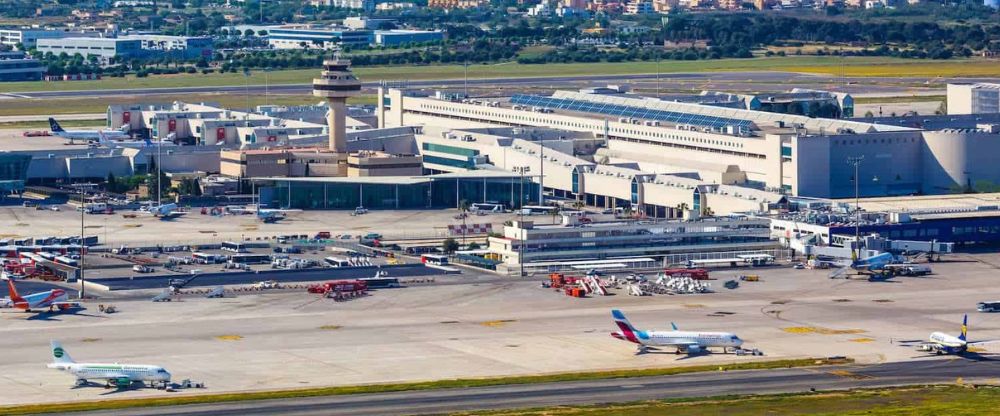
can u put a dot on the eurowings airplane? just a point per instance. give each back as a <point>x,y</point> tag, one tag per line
<point>942,343</point>
<point>119,375</point>
<point>55,298</point>
<point>164,211</point>
<point>684,341</point>
<point>95,135</point>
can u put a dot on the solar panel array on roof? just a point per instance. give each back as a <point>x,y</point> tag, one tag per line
<point>631,112</point>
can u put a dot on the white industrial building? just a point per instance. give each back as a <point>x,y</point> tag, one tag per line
<point>753,150</point>
<point>978,98</point>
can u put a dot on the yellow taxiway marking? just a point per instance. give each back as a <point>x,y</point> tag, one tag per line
<point>820,330</point>
<point>229,337</point>
<point>497,324</point>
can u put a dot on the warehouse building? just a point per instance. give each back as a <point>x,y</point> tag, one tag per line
<point>106,49</point>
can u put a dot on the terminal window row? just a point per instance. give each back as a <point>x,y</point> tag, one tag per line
<point>583,125</point>
<point>874,141</point>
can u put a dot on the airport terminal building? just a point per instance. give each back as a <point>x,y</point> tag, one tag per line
<point>447,190</point>
<point>767,152</point>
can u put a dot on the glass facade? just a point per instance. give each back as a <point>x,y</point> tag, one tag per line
<point>14,167</point>
<point>635,192</point>
<point>436,193</point>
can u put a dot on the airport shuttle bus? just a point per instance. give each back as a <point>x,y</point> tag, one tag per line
<point>250,258</point>
<point>538,209</point>
<point>234,247</point>
<point>205,258</point>
<point>337,262</point>
<point>486,207</point>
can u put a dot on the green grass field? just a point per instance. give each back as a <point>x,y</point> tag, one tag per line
<point>381,388</point>
<point>44,125</point>
<point>853,66</point>
<point>899,99</point>
<point>904,401</point>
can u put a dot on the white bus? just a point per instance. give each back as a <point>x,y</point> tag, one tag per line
<point>337,262</point>
<point>538,209</point>
<point>205,258</point>
<point>486,207</point>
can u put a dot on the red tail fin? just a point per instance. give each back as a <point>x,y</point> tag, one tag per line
<point>14,297</point>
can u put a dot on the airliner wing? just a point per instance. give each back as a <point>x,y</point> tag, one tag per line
<point>65,305</point>
<point>978,343</point>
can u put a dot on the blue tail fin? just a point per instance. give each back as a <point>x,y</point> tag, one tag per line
<point>965,328</point>
<point>54,125</point>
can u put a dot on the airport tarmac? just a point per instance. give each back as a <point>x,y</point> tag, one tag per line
<point>434,331</point>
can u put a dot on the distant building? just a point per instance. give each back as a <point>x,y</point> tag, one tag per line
<point>107,49</point>
<point>979,98</point>
<point>184,46</point>
<point>317,38</point>
<point>362,22</point>
<point>15,66</point>
<point>394,6</point>
<point>399,36</point>
<point>457,4</point>
<point>28,38</point>
<point>366,5</point>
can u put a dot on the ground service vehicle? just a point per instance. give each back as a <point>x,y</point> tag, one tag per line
<point>992,306</point>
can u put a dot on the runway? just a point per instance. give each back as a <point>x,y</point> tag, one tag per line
<point>726,81</point>
<point>931,371</point>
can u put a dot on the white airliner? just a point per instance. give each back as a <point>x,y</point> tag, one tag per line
<point>55,298</point>
<point>119,375</point>
<point>942,343</point>
<point>164,211</point>
<point>684,341</point>
<point>111,144</point>
<point>95,135</point>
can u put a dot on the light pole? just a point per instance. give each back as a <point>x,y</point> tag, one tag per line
<point>657,74</point>
<point>246,76</point>
<point>521,170</point>
<point>466,65</point>
<point>856,161</point>
<point>541,165</point>
<point>266,79</point>
<point>83,210</point>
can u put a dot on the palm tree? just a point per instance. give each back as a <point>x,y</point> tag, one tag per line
<point>463,208</point>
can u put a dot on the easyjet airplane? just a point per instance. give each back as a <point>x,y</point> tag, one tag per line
<point>55,298</point>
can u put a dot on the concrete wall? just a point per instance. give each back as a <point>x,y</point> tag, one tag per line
<point>955,158</point>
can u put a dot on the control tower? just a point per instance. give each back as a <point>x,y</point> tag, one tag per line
<point>335,85</point>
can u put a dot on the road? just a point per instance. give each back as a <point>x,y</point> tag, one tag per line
<point>600,391</point>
